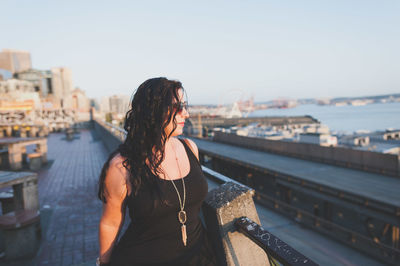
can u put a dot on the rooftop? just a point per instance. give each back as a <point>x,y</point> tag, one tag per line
<point>70,211</point>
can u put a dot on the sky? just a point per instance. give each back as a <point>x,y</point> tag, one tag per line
<point>222,51</point>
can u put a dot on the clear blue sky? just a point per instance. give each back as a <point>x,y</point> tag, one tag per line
<point>267,49</point>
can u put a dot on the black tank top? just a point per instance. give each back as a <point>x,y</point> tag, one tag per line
<point>154,234</point>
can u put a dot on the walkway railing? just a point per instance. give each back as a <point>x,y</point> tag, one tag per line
<point>116,131</point>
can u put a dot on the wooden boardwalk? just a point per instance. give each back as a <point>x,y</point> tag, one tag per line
<point>70,211</point>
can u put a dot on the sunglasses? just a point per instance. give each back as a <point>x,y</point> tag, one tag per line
<point>179,106</point>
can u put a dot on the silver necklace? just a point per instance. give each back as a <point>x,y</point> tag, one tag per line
<point>181,213</point>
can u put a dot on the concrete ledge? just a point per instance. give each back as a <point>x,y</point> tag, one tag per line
<point>221,208</point>
<point>386,164</point>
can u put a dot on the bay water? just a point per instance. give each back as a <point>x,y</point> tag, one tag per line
<point>345,119</point>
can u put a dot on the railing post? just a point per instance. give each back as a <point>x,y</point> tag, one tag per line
<point>221,208</point>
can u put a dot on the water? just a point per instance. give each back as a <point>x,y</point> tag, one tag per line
<point>348,118</point>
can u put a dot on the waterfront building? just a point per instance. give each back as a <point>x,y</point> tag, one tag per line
<point>318,138</point>
<point>391,135</point>
<point>15,60</point>
<point>383,142</point>
<point>355,140</point>
<point>323,101</point>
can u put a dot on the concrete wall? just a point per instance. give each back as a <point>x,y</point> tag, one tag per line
<point>110,141</point>
<point>387,164</point>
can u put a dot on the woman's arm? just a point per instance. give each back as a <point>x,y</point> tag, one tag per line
<point>114,209</point>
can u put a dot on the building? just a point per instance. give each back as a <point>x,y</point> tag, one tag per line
<point>41,80</point>
<point>15,60</point>
<point>355,140</point>
<point>318,138</point>
<point>104,105</point>
<point>391,135</point>
<point>119,104</point>
<point>15,85</point>
<point>62,87</point>
<point>79,101</point>
<point>18,95</point>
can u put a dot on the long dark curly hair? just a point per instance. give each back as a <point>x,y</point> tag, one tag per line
<point>151,110</point>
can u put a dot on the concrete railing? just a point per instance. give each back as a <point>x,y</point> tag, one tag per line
<point>235,230</point>
<point>387,164</point>
<point>111,135</point>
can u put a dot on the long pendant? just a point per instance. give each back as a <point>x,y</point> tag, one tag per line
<point>184,236</point>
<point>182,220</point>
<point>182,216</point>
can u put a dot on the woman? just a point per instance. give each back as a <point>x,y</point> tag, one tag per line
<point>158,178</point>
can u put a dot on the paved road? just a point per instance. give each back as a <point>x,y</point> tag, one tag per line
<point>377,187</point>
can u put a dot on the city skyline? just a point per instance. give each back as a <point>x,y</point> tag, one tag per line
<point>218,50</point>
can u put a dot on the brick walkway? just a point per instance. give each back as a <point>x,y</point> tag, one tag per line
<point>68,189</point>
<point>70,210</point>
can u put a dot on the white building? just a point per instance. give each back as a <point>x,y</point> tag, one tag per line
<point>318,138</point>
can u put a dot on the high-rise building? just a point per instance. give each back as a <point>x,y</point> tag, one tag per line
<point>119,104</point>
<point>62,86</point>
<point>15,60</point>
<point>105,104</point>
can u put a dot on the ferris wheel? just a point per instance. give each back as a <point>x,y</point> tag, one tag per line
<point>235,103</point>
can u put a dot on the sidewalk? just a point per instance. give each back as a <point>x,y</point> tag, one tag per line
<point>70,210</point>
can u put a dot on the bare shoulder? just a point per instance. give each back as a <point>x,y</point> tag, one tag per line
<point>193,146</point>
<point>117,177</point>
<point>117,161</point>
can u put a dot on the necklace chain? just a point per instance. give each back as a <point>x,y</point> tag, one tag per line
<point>181,204</point>
<point>181,213</point>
